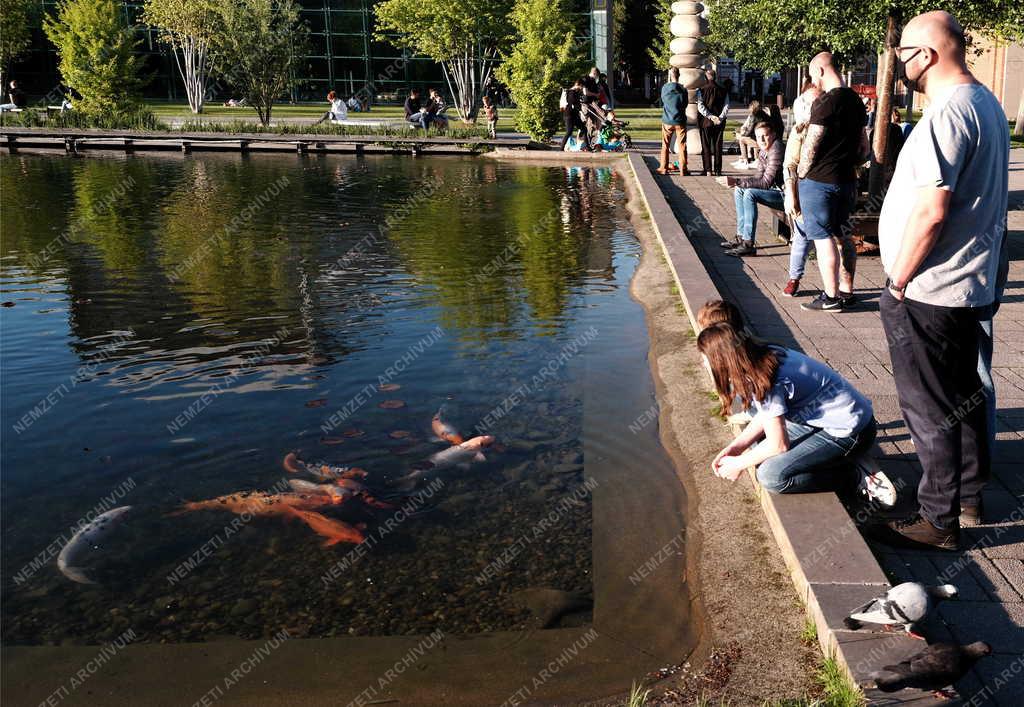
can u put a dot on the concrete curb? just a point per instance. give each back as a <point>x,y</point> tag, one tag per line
<point>831,566</point>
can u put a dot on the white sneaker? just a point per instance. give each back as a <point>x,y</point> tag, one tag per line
<point>739,164</point>
<point>874,483</point>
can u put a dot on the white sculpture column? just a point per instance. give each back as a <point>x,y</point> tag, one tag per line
<point>688,56</point>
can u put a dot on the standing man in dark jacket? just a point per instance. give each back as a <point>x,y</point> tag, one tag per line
<point>673,123</point>
<point>765,187</point>
<point>713,106</point>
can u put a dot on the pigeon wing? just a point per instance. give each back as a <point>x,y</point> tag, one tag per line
<point>876,611</point>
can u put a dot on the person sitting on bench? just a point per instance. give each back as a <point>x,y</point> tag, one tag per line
<point>415,112</point>
<point>765,187</point>
<point>16,98</point>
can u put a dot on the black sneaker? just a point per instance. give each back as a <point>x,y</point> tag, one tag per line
<point>823,303</point>
<point>736,240</point>
<point>847,298</point>
<point>743,249</point>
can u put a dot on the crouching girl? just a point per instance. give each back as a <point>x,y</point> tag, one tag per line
<point>809,424</point>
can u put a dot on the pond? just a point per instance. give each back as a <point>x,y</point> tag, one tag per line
<point>180,330</point>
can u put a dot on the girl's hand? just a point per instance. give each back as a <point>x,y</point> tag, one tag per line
<point>729,468</point>
<point>729,451</point>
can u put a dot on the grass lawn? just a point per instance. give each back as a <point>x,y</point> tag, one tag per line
<point>644,123</point>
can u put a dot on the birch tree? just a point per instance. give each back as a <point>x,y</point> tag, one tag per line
<point>464,37</point>
<point>188,27</point>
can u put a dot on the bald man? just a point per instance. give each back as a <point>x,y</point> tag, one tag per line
<point>942,232</point>
<point>835,145</point>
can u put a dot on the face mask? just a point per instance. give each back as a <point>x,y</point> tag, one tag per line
<point>911,84</point>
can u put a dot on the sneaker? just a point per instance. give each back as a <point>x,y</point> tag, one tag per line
<point>873,482</point>
<point>847,298</point>
<point>743,249</point>
<point>735,241</point>
<point>823,303</point>
<point>917,533</point>
<point>738,164</point>
<point>971,514</point>
<point>791,288</point>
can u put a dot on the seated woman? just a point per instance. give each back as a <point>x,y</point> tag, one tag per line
<point>338,111</point>
<point>745,135</point>
<point>812,424</point>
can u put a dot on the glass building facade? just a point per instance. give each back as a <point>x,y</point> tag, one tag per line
<point>344,54</point>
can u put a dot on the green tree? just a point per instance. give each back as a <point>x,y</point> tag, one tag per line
<point>97,56</point>
<point>464,37</point>
<point>188,27</point>
<point>545,59</point>
<point>15,32</point>
<point>659,51</point>
<point>850,28</point>
<point>259,49</point>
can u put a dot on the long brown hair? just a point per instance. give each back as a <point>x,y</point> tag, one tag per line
<point>742,367</point>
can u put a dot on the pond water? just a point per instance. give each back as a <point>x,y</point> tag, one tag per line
<point>174,327</point>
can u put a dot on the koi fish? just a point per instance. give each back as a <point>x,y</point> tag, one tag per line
<point>443,430</point>
<point>86,539</point>
<point>260,503</point>
<point>340,491</point>
<point>334,530</point>
<point>460,455</point>
<point>294,465</point>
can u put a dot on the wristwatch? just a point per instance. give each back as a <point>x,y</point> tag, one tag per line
<point>894,287</point>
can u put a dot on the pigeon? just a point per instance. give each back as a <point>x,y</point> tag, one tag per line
<point>936,667</point>
<point>903,605</point>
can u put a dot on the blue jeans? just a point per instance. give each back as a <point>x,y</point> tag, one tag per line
<point>815,459</point>
<point>797,250</point>
<point>746,208</point>
<point>420,119</point>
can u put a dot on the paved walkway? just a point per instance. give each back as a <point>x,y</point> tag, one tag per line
<point>990,573</point>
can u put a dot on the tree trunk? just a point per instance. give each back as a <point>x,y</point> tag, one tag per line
<point>1018,128</point>
<point>883,112</point>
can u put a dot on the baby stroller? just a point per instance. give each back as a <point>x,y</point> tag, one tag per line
<point>608,133</point>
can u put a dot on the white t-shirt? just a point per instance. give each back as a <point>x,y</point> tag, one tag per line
<point>961,145</point>
<point>338,109</point>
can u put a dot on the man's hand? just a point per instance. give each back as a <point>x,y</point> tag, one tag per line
<point>791,200</point>
<point>716,120</point>
<point>726,181</point>
<point>897,295</point>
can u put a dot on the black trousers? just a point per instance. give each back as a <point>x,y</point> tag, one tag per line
<point>711,146</point>
<point>934,352</point>
<point>573,122</point>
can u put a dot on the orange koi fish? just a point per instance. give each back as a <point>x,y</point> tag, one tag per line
<point>334,530</point>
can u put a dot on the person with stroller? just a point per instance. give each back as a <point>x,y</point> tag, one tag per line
<point>573,100</point>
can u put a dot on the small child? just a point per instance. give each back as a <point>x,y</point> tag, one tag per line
<point>491,111</point>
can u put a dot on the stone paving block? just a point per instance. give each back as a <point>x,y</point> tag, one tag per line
<point>836,601</point>
<point>1013,572</point>
<point>996,541</point>
<point>991,579</point>
<point>1001,683</point>
<point>1001,625</point>
<point>866,652</point>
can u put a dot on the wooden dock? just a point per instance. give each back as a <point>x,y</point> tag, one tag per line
<point>75,141</point>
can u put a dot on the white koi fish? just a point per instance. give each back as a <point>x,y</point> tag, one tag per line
<point>86,539</point>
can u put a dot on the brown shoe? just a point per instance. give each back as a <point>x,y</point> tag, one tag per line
<point>917,533</point>
<point>970,514</point>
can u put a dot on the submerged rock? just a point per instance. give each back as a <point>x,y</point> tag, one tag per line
<point>548,605</point>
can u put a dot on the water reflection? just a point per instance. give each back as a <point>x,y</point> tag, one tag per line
<point>196,350</point>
